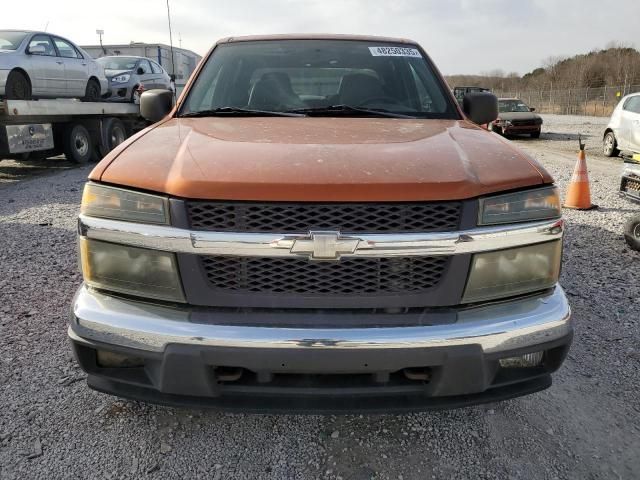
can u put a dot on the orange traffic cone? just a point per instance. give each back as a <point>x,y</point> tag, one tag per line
<point>579,194</point>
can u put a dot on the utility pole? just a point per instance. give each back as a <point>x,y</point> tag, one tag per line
<point>173,65</point>
<point>173,59</point>
<point>100,33</point>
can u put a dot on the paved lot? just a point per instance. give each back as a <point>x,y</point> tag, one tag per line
<point>586,426</point>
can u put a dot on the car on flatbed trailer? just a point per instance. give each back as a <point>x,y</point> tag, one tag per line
<point>83,131</point>
<point>43,65</point>
<point>318,226</point>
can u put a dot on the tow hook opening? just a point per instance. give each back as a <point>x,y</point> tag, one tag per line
<point>420,374</point>
<point>228,374</point>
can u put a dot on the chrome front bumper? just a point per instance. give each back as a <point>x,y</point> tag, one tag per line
<point>498,327</point>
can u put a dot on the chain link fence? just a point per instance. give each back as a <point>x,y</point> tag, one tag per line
<point>598,102</point>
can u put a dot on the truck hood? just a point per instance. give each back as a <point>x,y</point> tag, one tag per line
<point>319,159</point>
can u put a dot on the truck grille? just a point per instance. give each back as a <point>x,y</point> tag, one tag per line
<point>349,276</point>
<point>631,186</point>
<point>525,123</point>
<point>306,217</point>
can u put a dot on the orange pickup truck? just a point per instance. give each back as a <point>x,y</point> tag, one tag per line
<point>318,226</point>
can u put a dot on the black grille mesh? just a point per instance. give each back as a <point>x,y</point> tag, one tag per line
<point>306,217</point>
<point>349,276</point>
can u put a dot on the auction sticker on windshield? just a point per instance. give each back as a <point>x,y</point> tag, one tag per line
<point>394,52</point>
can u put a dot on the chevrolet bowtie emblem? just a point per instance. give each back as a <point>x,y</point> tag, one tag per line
<point>324,245</point>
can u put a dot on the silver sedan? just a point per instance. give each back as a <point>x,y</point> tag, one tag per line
<point>42,65</point>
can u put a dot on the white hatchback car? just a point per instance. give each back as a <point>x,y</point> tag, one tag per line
<point>623,130</point>
<point>42,65</point>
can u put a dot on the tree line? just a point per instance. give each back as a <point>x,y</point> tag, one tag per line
<point>615,65</point>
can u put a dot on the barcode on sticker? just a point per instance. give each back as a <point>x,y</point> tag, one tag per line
<point>394,52</point>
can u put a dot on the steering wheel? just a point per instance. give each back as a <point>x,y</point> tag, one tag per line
<point>378,99</point>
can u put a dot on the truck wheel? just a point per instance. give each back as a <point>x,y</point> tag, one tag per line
<point>92,92</point>
<point>78,144</point>
<point>113,133</point>
<point>632,232</point>
<point>609,145</point>
<point>17,86</point>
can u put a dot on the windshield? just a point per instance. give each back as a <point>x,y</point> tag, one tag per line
<point>310,76</point>
<point>505,106</point>
<point>11,40</point>
<point>117,63</point>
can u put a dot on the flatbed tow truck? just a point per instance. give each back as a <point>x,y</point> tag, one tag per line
<point>83,131</point>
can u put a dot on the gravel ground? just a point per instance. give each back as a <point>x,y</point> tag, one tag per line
<point>12,171</point>
<point>587,425</point>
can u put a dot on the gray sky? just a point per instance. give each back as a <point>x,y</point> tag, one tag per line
<point>462,36</point>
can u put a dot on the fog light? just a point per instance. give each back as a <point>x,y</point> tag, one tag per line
<point>523,361</point>
<point>117,360</point>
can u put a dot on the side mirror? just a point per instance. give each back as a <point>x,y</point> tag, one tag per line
<point>531,109</point>
<point>37,50</point>
<point>140,71</point>
<point>156,104</point>
<point>172,77</point>
<point>480,107</point>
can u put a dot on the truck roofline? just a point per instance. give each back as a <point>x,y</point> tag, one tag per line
<point>313,36</point>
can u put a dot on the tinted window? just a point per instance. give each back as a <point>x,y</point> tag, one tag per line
<point>632,104</point>
<point>155,67</point>
<point>65,49</point>
<point>297,74</point>
<point>144,65</point>
<point>11,40</point>
<point>43,41</point>
<point>505,106</point>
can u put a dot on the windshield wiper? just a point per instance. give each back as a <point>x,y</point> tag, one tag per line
<point>348,109</point>
<point>231,111</point>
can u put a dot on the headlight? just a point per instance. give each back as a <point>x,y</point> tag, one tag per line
<point>515,271</point>
<point>131,270</point>
<point>110,202</point>
<point>121,78</point>
<point>538,204</point>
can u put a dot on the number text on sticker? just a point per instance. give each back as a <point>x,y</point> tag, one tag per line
<point>394,52</point>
